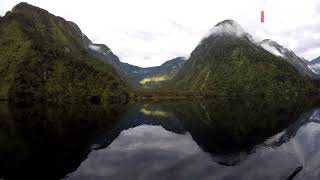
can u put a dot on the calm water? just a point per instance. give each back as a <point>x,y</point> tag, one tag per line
<point>215,139</point>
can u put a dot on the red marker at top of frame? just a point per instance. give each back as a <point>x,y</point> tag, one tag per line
<point>262,16</point>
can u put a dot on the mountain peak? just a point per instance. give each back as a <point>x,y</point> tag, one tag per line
<point>229,27</point>
<point>23,5</point>
<point>26,8</point>
<point>227,21</point>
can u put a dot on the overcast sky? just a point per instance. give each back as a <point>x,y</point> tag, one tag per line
<point>149,32</point>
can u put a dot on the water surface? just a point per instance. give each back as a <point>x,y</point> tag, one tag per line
<point>207,139</point>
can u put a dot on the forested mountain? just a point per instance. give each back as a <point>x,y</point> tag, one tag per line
<point>229,62</point>
<point>45,57</point>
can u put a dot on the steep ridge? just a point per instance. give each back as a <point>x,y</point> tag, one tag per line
<point>290,56</point>
<point>229,62</point>
<point>102,52</point>
<point>44,57</point>
<point>314,65</point>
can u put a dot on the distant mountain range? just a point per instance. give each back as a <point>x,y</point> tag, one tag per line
<point>152,77</point>
<point>136,76</point>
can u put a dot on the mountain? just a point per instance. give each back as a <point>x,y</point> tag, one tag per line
<point>103,53</point>
<point>316,60</point>
<point>153,76</point>
<point>134,75</point>
<point>297,62</point>
<point>229,62</point>
<point>45,57</point>
<point>314,65</point>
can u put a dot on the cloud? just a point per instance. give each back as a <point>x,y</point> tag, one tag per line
<point>230,27</point>
<point>95,48</point>
<point>143,35</point>
<point>181,27</point>
<point>2,12</point>
<point>162,30</point>
<point>271,49</point>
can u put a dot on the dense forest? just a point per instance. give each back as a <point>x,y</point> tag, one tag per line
<point>43,57</point>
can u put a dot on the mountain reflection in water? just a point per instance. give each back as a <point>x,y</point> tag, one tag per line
<point>213,139</point>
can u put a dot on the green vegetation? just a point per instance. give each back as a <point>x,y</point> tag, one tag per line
<point>156,79</point>
<point>232,66</point>
<point>43,57</point>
